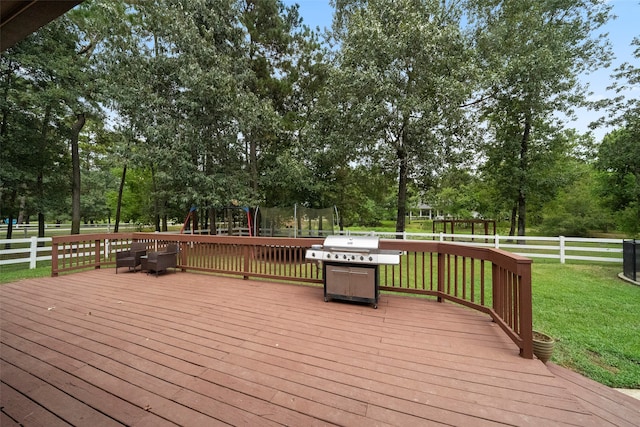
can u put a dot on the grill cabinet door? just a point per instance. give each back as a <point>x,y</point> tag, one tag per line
<point>350,282</point>
<point>337,280</point>
<point>361,282</point>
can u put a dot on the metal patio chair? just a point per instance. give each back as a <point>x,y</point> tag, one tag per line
<point>161,260</point>
<point>131,258</point>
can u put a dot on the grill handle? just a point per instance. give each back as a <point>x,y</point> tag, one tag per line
<point>347,249</point>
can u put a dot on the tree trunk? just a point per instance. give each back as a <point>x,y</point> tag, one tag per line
<point>514,214</point>
<point>41,229</point>
<point>119,203</point>
<point>194,221</point>
<point>522,213</point>
<point>4,131</point>
<point>40,193</point>
<point>11,201</point>
<point>403,172</point>
<point>23,205</point>
<point>212,221</point>
<point>75,161</point>
<point>40,178</point>
<point>522,191</point>
<point>253,163</point>
<point>5,107</point>
<point>9,231</point>
<point>156,210</point>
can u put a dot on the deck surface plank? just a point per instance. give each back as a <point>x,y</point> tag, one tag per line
<point>193,349</point>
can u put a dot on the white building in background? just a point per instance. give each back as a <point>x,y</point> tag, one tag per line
<point>425,211</point>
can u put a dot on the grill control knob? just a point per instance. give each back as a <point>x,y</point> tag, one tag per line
<point>353,257</point>
<point>344,257</point>
<point>328,255</point>
<point>370,258</point>
<point>337,256</point>
<point>361,258</point>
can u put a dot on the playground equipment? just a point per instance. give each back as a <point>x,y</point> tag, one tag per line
<point>296,221</point>
<point>188,218</point>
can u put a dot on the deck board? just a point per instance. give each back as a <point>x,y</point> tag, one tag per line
<point>95,348</point>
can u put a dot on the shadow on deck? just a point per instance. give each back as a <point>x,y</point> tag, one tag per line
<point>96,348</point>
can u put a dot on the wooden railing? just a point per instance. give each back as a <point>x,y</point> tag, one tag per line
<point>489,280</point>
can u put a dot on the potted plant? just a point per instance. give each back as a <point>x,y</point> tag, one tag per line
<point>542,346</point>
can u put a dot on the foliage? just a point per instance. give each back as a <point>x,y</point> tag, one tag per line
<point>137,204</point>
<point>37,103</point>
<point>403,74</point>
<point>619,161</point>
<point>576,210</point>
<point>532,54</point>
<point>210,102</point>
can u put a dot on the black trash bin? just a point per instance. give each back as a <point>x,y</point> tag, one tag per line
<point>631,259</point>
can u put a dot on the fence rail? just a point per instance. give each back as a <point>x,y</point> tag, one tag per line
<point>561,248</point>
<point>25,230</point>
<point>24,251</point>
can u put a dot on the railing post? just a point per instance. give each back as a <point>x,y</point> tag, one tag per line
<point>496,291</point>
<point>98,245</point>
<point>562,250</point>
<point>246,253</point>
<point>33,252</point>
<point>441,271</point>
<point>54,258</point>
<point>183,254</point>
<point>496,242</point>
<point>525,309</point>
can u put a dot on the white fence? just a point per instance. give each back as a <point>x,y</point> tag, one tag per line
<point>561,247</point>
<point>34,249</point>
<point>27,229</point>
<point>25,251</point>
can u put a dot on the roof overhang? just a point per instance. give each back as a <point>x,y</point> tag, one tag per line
<point>19,18</point>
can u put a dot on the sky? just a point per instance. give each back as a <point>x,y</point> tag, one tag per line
<point>622,30</point>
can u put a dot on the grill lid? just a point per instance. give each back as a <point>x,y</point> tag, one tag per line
<point>351,243</point>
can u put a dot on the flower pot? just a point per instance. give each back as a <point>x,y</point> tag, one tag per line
<point>542,346</point>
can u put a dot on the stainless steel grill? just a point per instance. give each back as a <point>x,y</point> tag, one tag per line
<point>350,267</point>
<point>353,249</point>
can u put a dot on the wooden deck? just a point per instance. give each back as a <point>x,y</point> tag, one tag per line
<point>97,349</point>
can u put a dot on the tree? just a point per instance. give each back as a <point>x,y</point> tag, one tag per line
<point>532,53</point>
<point>457,194</point>
<point>177,73</point>
<point>619,163</point>
<point>269,26</point>
<point>38,93</point>
<point>619,152</point>
<point>404,74</point>
<point>97,161</point>
<point>577,209</point>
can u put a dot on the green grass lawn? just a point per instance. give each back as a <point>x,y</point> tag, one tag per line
<point>593,315</point>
